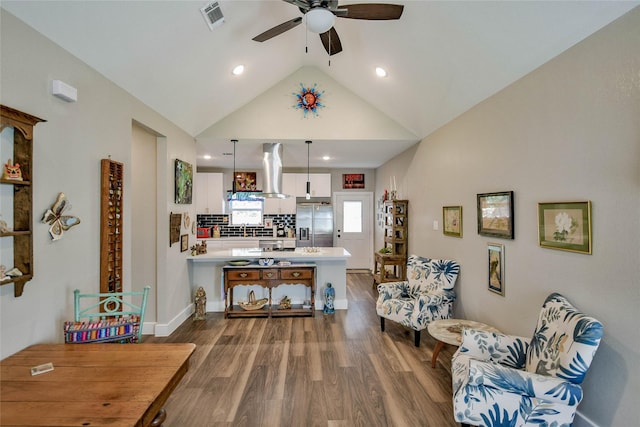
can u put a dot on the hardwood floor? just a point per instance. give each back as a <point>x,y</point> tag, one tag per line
<point>337,370</point>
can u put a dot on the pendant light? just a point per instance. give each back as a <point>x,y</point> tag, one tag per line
<point>233,184</point>
<point>308,195</point>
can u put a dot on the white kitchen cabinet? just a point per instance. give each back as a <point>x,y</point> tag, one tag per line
<point>273,206</point>
<point>209,194</point>
<point>320,184</point>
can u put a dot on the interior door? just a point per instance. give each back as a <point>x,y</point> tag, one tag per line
<point>354,227</point>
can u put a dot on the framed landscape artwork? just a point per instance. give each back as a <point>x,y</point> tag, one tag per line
<point>495,214</point>
<point>452,221</point>
<point>496,268</point>
<point>565,226</point>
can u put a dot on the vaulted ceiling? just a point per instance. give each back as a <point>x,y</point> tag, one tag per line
<point>442,58</point>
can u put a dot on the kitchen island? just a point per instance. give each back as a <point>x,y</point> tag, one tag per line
<point>331,267</point>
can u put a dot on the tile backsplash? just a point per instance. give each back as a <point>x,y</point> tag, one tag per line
<point>226,230</point>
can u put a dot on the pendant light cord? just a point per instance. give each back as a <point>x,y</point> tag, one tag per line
<point>233,185</point>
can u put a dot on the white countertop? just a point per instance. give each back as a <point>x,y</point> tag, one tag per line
<point>255,253</point>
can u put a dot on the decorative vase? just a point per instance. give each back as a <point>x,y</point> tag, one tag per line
<point>329,296</point>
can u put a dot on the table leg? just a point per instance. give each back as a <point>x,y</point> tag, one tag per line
<point>161,416</point>
<point>436,351</point>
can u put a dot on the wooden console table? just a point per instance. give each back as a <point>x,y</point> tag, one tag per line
<point>268,277</point>
<point>91,384</point>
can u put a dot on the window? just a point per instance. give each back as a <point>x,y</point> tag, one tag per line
<point>246,212</point>
<point>352,216</point>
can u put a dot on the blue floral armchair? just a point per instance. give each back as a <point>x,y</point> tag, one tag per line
<point>426,295</point>
<point>502,380</point>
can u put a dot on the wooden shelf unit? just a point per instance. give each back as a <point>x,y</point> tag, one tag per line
<point>392,266</point>
<point>268,277</point>
<point>111,214</point>
<point>396,226</point>
<point>22,203</point>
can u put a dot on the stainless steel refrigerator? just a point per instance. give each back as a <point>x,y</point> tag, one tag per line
<point>314,222</point>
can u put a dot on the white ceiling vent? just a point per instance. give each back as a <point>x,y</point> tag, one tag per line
<point>213,15</point>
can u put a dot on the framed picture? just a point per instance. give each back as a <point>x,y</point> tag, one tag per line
<point>246,181</point>
<point>352,180</point>
<point>184,182</point>
<point>495,214</point>
<point>495,253</point>
<point>184,242</point>
<point>268,222</point>
<point>565,226</point>
<point>174,228</point>
<point>452,221</point>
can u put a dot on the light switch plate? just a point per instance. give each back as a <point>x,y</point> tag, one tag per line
<point>435,225</point>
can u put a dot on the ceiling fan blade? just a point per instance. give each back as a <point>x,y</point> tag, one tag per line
<point>372,11</point>
<point>278,29</point>
<point>331,42</point>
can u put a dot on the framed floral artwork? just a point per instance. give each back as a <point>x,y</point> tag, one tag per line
<point>495,214</point>
<point>452,221</point>
<point>565,226</point>
<point>495,253</point>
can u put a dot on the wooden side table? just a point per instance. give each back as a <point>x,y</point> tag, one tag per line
<point>449,331</point>
<point>397,273</point>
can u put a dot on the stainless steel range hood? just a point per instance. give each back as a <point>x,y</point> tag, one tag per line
<point>272,171</point>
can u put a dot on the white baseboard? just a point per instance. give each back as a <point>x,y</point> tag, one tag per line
<point>581,421</point>
<point>164,330</point>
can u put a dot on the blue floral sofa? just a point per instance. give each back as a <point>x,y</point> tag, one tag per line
<point>426,295</point>
<point>502,380</point>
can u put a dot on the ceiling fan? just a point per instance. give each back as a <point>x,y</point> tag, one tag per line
<point>321,14</point>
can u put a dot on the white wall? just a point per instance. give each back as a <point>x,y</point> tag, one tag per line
<point>66,157</point>
<point>568,131</point>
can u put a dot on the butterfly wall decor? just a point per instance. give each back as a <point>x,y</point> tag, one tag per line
<point>59,223</point>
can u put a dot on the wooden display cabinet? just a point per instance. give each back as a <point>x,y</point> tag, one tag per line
<point>22,201</point>
<point>111,214</point>
<point>396,226</point>
<point>392,266</point>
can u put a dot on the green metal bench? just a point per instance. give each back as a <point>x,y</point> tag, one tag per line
<point>107,317</point>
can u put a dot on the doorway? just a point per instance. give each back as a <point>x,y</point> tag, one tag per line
<point>354,227</point>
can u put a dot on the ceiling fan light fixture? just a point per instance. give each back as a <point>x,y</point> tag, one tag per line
<point>320,20</point>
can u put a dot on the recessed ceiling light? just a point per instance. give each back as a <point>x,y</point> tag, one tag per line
<point>326,158</point>
<point>206,157</point>
<point>239,69</point>
<point>381,72</point>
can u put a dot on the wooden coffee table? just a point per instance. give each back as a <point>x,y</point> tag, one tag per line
<point>449,331</point>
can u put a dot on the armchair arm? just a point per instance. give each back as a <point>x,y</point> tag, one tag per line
<point>509,350</point>
<point>440,297</point>
<point>393,290</point>
<point>550,389</point>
